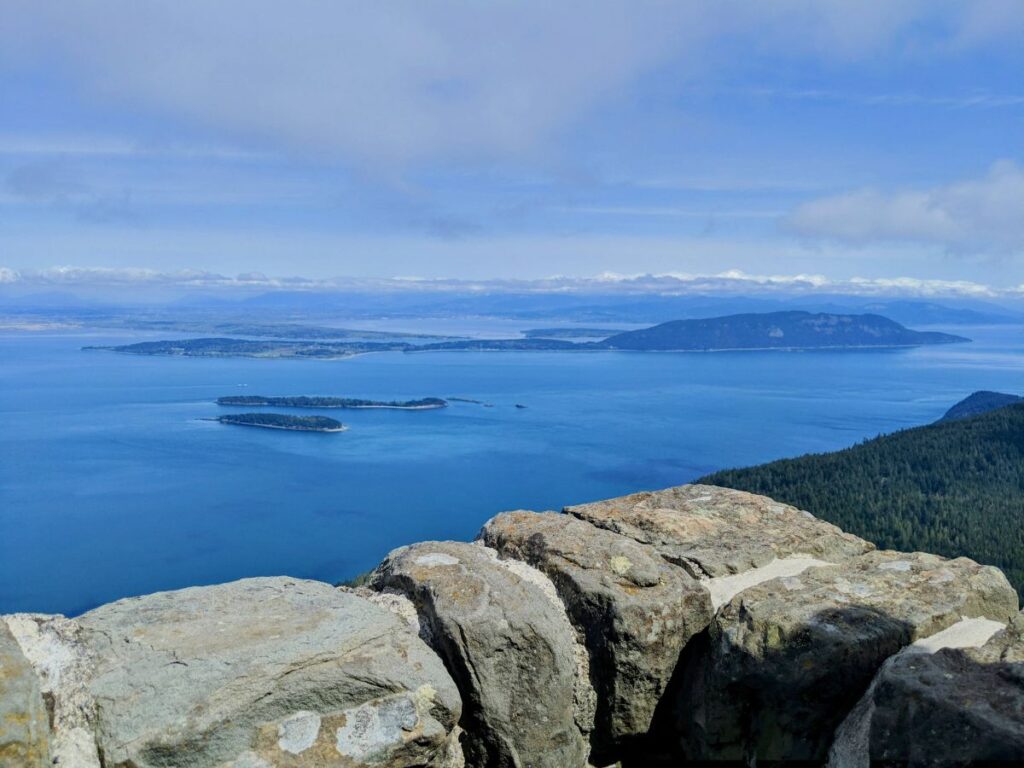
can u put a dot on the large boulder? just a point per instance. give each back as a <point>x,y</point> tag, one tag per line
<point>785,660</point>
<point>509,645</point>
<point>56,649</point>
<point>635,611</point>
<point>257,673</point>
<point>962,704</point>
<point>713,532</point>
<point>24,723</point>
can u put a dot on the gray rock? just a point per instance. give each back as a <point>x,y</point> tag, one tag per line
<point>786,660</point>
<point>264,672</point>
<point>56,649</point>
<point>24,723</point>
<point>509,646</point>
<point>714,531</point>
<point>635,611</point>
<point>957,706</point>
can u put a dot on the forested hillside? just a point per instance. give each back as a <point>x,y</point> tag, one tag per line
<point>978,403</point>
<point>953,488</point>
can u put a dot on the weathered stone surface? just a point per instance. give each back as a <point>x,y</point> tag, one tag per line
<point>714,531</point>
<point>785,661</point>
<point>24,723</point>
<point>509,646</point>
<point>56,649</point>
<point>960,705</point>
<point>635,611</point>
<point>256,673</point>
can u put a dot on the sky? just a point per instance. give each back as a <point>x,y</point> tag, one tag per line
<point>837,141</point>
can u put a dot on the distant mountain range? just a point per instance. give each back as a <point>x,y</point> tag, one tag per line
<point>953,487</point>
<point>532,307</point>
<point>776,330</point>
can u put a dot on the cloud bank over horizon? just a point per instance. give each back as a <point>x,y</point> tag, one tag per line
<point>729,282</point>
<point>516,139</point>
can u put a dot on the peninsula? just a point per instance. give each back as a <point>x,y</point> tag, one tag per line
<point>423,404</point>
<point>224,347</point>
<point>782,331</point>
<point>978,403</point>
<point>281,421</point>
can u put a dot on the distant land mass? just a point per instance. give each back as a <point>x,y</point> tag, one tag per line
<point>423,404</point>
<point>266,330</point>
<point>570,333</point>
<point>322,350</point>
<point>773,330</point>
<point>282,421</point>
<point>224,347</point>
<point>777,330</point>
<point>953,488</point>
<point>978,403</point>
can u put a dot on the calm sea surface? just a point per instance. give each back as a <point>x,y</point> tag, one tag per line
<point>111,484</point>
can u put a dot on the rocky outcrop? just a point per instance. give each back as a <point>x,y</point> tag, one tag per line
<point>55,648</point>
<point>956,701</point>
<point>692,624</point>
<point>24,724</point>
<point>256,673</point>
<point>786,660</point>
<point>634,611</point>
<point>508,645</point>
<point>713,531</point>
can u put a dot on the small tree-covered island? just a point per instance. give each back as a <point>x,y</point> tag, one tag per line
<point>282,421</point>
<point>304,401</point>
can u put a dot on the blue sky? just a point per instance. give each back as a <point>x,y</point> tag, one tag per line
<point>872,140</point>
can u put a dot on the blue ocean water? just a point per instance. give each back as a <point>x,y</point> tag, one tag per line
<point>111,484</point>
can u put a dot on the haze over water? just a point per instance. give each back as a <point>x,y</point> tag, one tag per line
<point>112,484</point>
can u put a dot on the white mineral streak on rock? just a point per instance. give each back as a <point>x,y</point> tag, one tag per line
<point>850,747</point>
<point>583,692</point>
<point>725,588</point>
<point>436,558</point>
<point>966,633</point>
<point>902,566</point>
<point>51,645</point>
<point>298,732</point>
<point>400,605</point>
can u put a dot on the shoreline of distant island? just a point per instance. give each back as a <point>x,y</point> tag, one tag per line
<point>773,331</point>
<point>283,422</point>
<point>306,401</point>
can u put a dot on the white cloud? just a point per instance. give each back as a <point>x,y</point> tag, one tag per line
<point>389,83</point>
<point>983,214</point>
<point>732,281</point>
<point>670,212</point>
<point>379,82</point>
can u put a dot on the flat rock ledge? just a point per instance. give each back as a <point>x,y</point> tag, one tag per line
<point>691,624</point>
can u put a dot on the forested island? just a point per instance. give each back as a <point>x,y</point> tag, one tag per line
<point>953,488</point>
<point>777,330</point>
<point>224,347</point>
<point>784,331</point>
<point>282,421</point>
<point>422,404</point>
